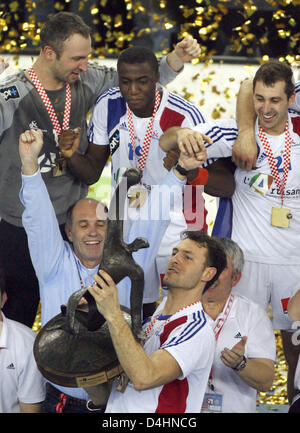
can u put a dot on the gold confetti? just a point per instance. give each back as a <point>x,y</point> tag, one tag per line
<point>114,30</point>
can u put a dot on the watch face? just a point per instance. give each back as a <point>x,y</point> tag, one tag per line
<point>241,365</point>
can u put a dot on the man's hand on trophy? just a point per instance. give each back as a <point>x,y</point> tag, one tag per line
<point>105,294</point>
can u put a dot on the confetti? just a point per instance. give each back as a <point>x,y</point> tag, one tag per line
<point>245,30</point>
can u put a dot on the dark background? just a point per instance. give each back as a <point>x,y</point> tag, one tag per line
<point>236,31</point>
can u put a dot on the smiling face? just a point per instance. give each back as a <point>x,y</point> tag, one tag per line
<point>87,231</point>
<point>138,84</point>
<point>73,59</point>
<point>271,106</point>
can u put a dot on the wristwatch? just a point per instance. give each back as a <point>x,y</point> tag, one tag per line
<point>181,170</point>
<point>241,365</point>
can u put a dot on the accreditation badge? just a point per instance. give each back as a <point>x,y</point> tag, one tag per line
<point>212,402</point>
<point>281,217</point>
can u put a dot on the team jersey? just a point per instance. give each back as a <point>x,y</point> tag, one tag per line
<point>21,108</point>
<point>20,379</point>
<point>296,105</point>
<point>190,340</point>
<point>247,217</point>
<point>109,126</point>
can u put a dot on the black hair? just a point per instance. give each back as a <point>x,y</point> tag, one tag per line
<point>138,54</point>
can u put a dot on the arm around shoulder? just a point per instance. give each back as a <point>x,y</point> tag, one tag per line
<point>244,151</point>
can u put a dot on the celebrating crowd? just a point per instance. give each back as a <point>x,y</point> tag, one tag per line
<point>208,341</point>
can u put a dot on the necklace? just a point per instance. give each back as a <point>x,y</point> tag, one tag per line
<point>165,322</point>
<point>287,155</point>
<point>147,139</point>
<point>49,107</point>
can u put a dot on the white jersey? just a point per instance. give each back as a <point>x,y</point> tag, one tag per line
<point>190,340</point>
<point>296,105</point>
<point>247,217</point>
<point>109,126</point>
<point>245,319</point>
<point>20,379</point>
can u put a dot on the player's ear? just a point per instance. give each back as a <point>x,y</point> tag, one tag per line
<point>208,273</point>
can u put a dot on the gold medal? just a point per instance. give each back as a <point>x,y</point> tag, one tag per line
<point>59,167</point>
<point>281,217</point>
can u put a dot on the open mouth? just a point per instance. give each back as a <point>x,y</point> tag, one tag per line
<point>74,75</point>
<point>267,117</point>
<point>92,242</point>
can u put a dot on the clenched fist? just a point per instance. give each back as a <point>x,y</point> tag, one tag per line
<point>69,141</point>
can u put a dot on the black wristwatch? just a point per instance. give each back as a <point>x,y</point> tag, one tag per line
<point>181,170</point>
<point>241,365</point>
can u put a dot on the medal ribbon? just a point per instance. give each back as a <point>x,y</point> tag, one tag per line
<point>67,111</point>
<point>287,156</point>
<point>148,134</point>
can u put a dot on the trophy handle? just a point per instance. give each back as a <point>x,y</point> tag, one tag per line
<point>92,320</point>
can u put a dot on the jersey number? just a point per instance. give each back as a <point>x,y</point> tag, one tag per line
<point>279,164</point>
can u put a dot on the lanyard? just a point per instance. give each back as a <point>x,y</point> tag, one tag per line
<point>287,156</point>
<point>221,322</point>
<point>79,275</point>
<point>219,326</point>
<point>47,103</point>
<point>148,134</point>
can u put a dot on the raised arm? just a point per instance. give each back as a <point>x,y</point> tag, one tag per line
<point>39,220</point>
<point>244,151</point>
<point>184,51</point>
<point>30,145</point>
